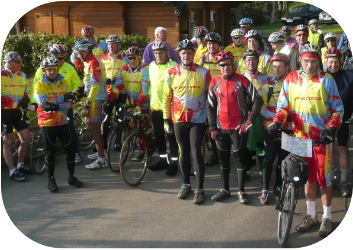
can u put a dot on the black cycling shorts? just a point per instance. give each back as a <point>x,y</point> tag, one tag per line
<point>343,135</point>
<point>12,119</point>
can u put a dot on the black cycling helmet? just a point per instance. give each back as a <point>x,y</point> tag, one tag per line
<point>133,50</point>
<point>186,44</point>
<point>251,53</point>
<point>253,34</point>
<point>113,39</point>
<point>83,45</point>
<point>213,37</point>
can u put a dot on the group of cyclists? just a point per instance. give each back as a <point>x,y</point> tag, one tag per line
<point>243,94</point>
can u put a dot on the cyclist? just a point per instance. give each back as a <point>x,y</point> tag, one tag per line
<point>213,41</point>
<point>13,96</point>
<point>331,40</point>
<point>201,48</point>
<point>256,132</point>
<point>315,35</point>
<point>100,47</point>
<point>96,92</point>
<point>237,48</point>
<point>113,61</point>
<point>344,81</point>
<point>199,35</point>
<point>277,40</point>
<point>290,41</point>
<point>343,40</point>
<point>50,92</point>
<point>271,90</point>
<point>65,69</point>
<point>157,72</point>
<point>160,34</point>
<point>184,101</point>
<point>301,32</point>
<point>316,113</point>
<point>245,26</point>
<point>255,42</point>
<point>228,124</point>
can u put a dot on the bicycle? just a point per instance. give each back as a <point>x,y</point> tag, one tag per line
<point>122,116</point>
<point>295,172</point>
<point>136,152</point>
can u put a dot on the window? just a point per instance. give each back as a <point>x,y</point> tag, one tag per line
<point>52,21</point>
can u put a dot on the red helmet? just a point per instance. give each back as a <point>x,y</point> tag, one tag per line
<point>333,52</point>
<point>87,31</point>
<point>133,50</point>
<point>200,32</point>
<point>221,55</point>
<point>280,57</point>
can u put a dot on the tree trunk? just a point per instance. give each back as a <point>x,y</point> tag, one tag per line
<point>273,13</point>
<point>279,3</point>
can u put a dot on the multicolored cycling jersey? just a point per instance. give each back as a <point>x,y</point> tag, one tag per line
<point>268,110</point>
<point>226,104</point>
<point>135,83</point>
<point>94,80</point>
<point>291,42</point>
<point>13,89</point>
<point>52,92</point>
<point>66,70</point>
<point>312,101</point>
<point>201,50</point>
<point>157,73</point>
<point>113,64</point>
<point>237,52</point>
<point>257,79</point>
<point>209,62</point>
<point>264,66</point>
<point>185,93</point>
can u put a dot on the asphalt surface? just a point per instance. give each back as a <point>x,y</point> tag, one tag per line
<point>105,213</point>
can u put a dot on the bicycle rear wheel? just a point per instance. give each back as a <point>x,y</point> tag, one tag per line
<point>115,143</point>
<point>133,159</point>
<point>286,211</point>
<point>37,155</point>
<point>85,139</point>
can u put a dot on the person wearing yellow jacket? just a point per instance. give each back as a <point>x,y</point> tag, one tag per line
<point>14,95</point>
<point>315,36</point>
<point>65,69</point>
<point>157,72</point>
<point>52,94</point>
<point>237,48</point>
<point>96,92</point>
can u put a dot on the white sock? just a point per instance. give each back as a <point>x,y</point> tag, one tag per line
<point>310,209</point>
<point>344,173</point>
<point>101,160</point>
<point>19,165</point>
<point>12,171</point>
<point>327,212</point>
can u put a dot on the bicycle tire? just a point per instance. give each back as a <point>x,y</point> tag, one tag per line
<point>37,155</point>
<point>133,169</point>
<point>119,134</point>
<point>85,139</point>
<point>285,215</point>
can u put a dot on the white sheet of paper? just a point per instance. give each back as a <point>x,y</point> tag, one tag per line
<point>298,146</point>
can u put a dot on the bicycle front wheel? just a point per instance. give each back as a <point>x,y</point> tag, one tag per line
<point>85,138</point>
<point>286,211</point>
<point>133,159</point>
<point>37,155</point>
<point>115,144</point>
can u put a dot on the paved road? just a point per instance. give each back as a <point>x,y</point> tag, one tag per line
<point>107,213</point>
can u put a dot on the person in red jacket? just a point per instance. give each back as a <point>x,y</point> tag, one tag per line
<point>229,120</point>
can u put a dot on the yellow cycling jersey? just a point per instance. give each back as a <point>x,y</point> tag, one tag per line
<point>52,92</point>
<point>185,94</point>
<point>157,74</point>
<point>113,64</point>
<point>209,62</point>
<point>314,38</point>
<point>264,66</point>
<point>13,89</point>
<point>201,50</point>
<point>237,52</point>
<point>66,70</point>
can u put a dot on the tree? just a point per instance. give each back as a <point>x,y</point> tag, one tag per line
<point>273,12</point>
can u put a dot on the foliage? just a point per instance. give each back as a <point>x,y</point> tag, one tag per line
<point>33,48</point>
<point>259,12</point>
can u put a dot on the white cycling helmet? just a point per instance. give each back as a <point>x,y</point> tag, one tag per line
<point>113,39</point>
<point>277,36</point>
<point>237,32</point>
<point>49,62</point>
<point>330,35</point>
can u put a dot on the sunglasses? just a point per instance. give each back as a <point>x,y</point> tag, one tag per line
<point>159,52</point>
<point>225,64</point>
<point>330,41</point>
<point>51,69</point>
<point>131,58</point>
<point>18,62</point>
<point>60,58</point>
<point>236,38</point>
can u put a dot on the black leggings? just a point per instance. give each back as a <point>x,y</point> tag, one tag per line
<point>190,138</point>
<point>272,150</point>
<point>232,143</point>
<point>73,131</point>
<point>49,135</point>
<point>158,125</point>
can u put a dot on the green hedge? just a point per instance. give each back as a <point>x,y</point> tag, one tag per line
<point>33,48</point>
